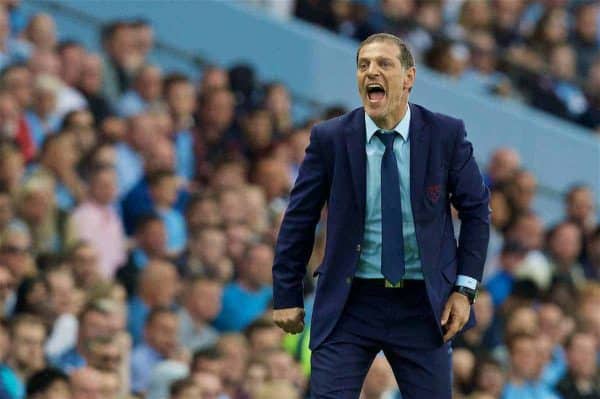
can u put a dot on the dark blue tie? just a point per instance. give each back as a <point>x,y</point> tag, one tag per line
<point>392,254</point>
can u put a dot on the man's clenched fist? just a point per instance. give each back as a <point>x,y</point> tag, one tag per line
<point>291,320</point>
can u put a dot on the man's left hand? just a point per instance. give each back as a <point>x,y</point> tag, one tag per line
<point>455,314</point>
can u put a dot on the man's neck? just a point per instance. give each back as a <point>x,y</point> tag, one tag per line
<point>390,121</point>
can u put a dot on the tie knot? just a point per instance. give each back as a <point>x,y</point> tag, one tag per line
<point>387,138</point>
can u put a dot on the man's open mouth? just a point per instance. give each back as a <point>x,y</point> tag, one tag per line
<point>375,92</point>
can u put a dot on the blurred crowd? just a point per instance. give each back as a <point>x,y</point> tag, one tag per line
<point>542,52</point>
<point>138,214</point>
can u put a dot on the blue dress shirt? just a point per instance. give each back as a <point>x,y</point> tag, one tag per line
<point>369,265</point>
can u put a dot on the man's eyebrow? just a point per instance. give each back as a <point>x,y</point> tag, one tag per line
<point>378,57</point>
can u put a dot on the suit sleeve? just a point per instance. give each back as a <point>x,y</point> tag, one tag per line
<point>297,232</point>
<point>470,197</point>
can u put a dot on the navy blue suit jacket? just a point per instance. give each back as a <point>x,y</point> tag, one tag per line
<point>443,171</point>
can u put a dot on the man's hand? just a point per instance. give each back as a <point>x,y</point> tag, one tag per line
<point>455,314</point>
<point>291,320</point>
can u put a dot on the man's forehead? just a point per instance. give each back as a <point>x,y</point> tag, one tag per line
<point>378,49</point>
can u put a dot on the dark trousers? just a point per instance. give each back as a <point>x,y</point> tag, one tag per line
<point>397,321</point>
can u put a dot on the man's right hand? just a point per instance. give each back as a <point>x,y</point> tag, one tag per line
<point>291,320</point>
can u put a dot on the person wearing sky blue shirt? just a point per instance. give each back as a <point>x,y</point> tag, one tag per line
<point>393,278</point>
<point>163,191</point>
<point>524,381</point>
<point>252,289</point>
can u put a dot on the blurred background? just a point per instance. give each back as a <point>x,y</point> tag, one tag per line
<point>147,150</point>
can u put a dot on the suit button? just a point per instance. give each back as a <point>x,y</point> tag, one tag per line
<point>358,248</point>
<point>348,280</point>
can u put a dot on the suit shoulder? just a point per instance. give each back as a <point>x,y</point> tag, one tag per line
<point>440,120</point>
<point>335,125</point>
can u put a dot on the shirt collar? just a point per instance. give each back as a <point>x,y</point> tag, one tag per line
<point>402,127</point>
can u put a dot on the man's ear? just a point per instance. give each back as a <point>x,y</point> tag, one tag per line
<point>409,78</point>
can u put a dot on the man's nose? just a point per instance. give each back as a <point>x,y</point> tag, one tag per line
<point>373,70</point>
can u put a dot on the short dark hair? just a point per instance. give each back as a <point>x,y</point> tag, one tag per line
<point>405,57</point>
<point>145,220</point>
<point>571,337</point>
<point>511,340</point>
<point>262,323</point>
<point>42,380</point>
<point>180,385</point>
<point>575,188</point>
<point>172,79</point>
<point>157,312</point>
<point>108,31</point>
<point>155,178</point>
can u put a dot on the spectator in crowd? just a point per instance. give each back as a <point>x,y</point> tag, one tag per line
<point>58,159</point>
<point>500,284</point>
<point>41,32</point>
<point>12,168</point>
<point>585,36</point>
<point>158,287</point>
<point>206,255</point>
<point>278,103</point>
<point>150,244</point>
<point>90,86</point>
<point>98,223</point>
<point>580,209</point>
<point>130,149</point>
<point>83,258</point>
<point>26,354</point>
<point>71,55</point>
<point>14,127</point>
<point>163,187</point>
<point>582,380</point>
<point>16,254</point>
<point>488,377</point>
<point>523,380</point>
<point>120,61</point>
<point>214,136</point>
<point>94,321</point>
<point>591,117</point>
<point>180,99</point>
<point>146,92</point>
<point>7,292</point>
<point>160,343</point>
<point>63,305</point>
<point>201,305</point>
<point>42,116</point>
<point>564,246</point>
<point>160,156</point>
<point>11,49</point>
<point>252,288</point>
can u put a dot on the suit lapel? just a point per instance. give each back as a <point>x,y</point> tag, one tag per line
<point>419,152</point>
<point>356,146</point>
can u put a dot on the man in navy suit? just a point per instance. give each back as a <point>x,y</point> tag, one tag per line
<point>393,278</point>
